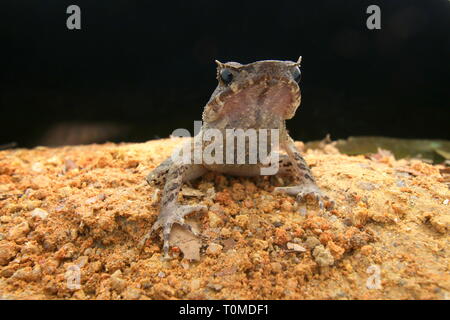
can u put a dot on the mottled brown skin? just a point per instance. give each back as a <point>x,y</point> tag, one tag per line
<point>260,95</point>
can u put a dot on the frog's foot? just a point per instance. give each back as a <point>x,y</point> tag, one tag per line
<point>302,192</point>
<point>168,217</point>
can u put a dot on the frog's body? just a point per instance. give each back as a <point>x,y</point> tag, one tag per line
<point>259,95</point>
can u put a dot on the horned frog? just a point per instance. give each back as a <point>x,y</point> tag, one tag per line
<point>259,95</point>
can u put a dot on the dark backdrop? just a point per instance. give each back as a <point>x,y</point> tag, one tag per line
<point>140,69</point>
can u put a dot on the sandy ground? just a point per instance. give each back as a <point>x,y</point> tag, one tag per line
<point>79,213</point>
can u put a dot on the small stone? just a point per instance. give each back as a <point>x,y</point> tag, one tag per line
<point>82,261</point>
<point>215,286</point>
<point>185,264</point>
<point>79,295</point>
<point>323,256</point>
<point>132,294</point>
<point>39,213</point>
<point>27,274</point>
<point>214,249</point>
<point>260,244</point>
<point>30,247</point>
<point>225,233</point>
<point>8,251</point>
<point>161,274</point>
<point>37,167</point>
<point>69,165</point>
<point>18,231</point>
<point>445,202</point>
<point>312,242</point>
<point>195,284</point>
<point>276,267</point>
<point>40,182</point>
<point>242,220</point>
<point>214,220</point>
<point>441,223</point>
<point>117,283</point>
<point>296,247</point>
<point>66,251</point>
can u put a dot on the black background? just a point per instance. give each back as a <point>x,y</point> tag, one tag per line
<point>137,70</point>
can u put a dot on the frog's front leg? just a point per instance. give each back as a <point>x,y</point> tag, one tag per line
<point>171,211</point>
<point>296,165</point>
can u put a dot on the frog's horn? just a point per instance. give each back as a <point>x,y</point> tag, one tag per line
<point>231,65</point>
<point>219,64</point>
<point>296,64</point>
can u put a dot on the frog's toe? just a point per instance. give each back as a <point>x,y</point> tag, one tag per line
<point>303,192</point>
<point>173,215</point>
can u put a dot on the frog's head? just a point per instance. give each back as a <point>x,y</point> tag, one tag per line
<point>255,92</point>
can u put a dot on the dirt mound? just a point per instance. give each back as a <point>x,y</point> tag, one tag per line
<point>71,220</point>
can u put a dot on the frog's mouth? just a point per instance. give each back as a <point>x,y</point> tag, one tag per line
<point>262,99</point>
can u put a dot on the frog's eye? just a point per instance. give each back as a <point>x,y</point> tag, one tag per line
<point>226,76</point>
<point>296,74</point>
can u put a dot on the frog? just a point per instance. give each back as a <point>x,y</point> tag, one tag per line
<point>259,95</point>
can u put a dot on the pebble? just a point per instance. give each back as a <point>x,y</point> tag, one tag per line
<point>323,256</point>
<point>69,165</point>
<point>441,223</point>
<point>312,242</point>
<point>18,231</point>
<point>276,267</point>
<point>117,283</point>
<point>214,220</point>
<point>132,294</point>
<point>37,167</point>
<point>39,213</point>
<point>28,274</point>
<point>195,284</point>
<point>41,181</point>
<point>7,252</point>
<point>215,286</point>
<point>296,247</point>
<point>214,249</point>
